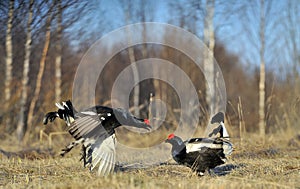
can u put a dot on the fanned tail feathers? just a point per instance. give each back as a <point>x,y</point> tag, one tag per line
<point>65,111</point>
<point>221,133</point>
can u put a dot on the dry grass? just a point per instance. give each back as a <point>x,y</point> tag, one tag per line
<point>272,165</point>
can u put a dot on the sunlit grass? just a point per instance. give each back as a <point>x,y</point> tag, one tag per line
<point>270,165</point>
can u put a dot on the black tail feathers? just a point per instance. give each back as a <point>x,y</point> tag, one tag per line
<point>49,116</point>
<point>219,118</point>
<point>218,130</point>
<point>65,111</point>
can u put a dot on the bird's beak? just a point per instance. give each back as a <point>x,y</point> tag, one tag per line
<point>147,122</point>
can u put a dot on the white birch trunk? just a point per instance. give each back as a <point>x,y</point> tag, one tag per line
<point>21,128</point>
<point>41,72</point>
<point>9,60</point>
<point>209,40</point>
<point>58,57</point>
<point>261,110</point>
<point>136,90</point>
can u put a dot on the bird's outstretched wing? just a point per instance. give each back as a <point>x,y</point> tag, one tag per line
<point>102,152</point>
<point>87,127</point>
<point>98,143</point>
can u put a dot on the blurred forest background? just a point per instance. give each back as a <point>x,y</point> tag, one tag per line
<point>256,44</point>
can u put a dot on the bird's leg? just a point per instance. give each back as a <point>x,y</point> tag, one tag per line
<point>71,146</point>
<point>83,156</point>
<point>89,155</point>
<point>86,154</point>
<point>211,172</point>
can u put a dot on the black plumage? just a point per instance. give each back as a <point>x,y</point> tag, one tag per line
<point>95,128</point>
<point>201,154</point>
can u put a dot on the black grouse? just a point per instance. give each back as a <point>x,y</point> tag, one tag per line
<point>201,154</point>
<point>94,128</point>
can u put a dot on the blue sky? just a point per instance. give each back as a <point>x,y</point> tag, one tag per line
<point>236,24</point>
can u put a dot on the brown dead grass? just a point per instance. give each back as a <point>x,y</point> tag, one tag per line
<point>270,165</point>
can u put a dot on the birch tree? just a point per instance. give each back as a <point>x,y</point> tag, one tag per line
<point>42,67</point>
<point>136,90</point>
<point>58,55</point>
<point>21,127</point>
<point>255,18</point>
<point>9,60</point>
<point>262,74</point>
<point>135,11</point>
<point>209,40</point>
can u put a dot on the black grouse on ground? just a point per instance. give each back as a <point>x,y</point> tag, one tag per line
<point>94,128</point>
<point>201,154</point>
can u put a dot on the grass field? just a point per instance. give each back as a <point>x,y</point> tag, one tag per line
<point>275,164</point>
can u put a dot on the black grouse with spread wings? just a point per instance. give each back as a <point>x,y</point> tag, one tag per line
<point>95,128</point>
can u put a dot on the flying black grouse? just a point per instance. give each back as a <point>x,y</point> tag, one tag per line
<point>94,128</point>
<point>202,154</point>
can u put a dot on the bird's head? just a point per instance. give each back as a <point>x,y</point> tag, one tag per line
<point>142,123</point>
<point>177,144</point>
<point>174,140</point>
<point>170,137</point>
<point>126,118</point>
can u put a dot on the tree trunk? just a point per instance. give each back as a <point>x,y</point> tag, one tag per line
<point>136,90</point>
<point>9,60</point>
<point>21,128</point>
<point>261,110</point>
<point>40,73</point>
<point>209,40</point>
<point>58,57</point>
